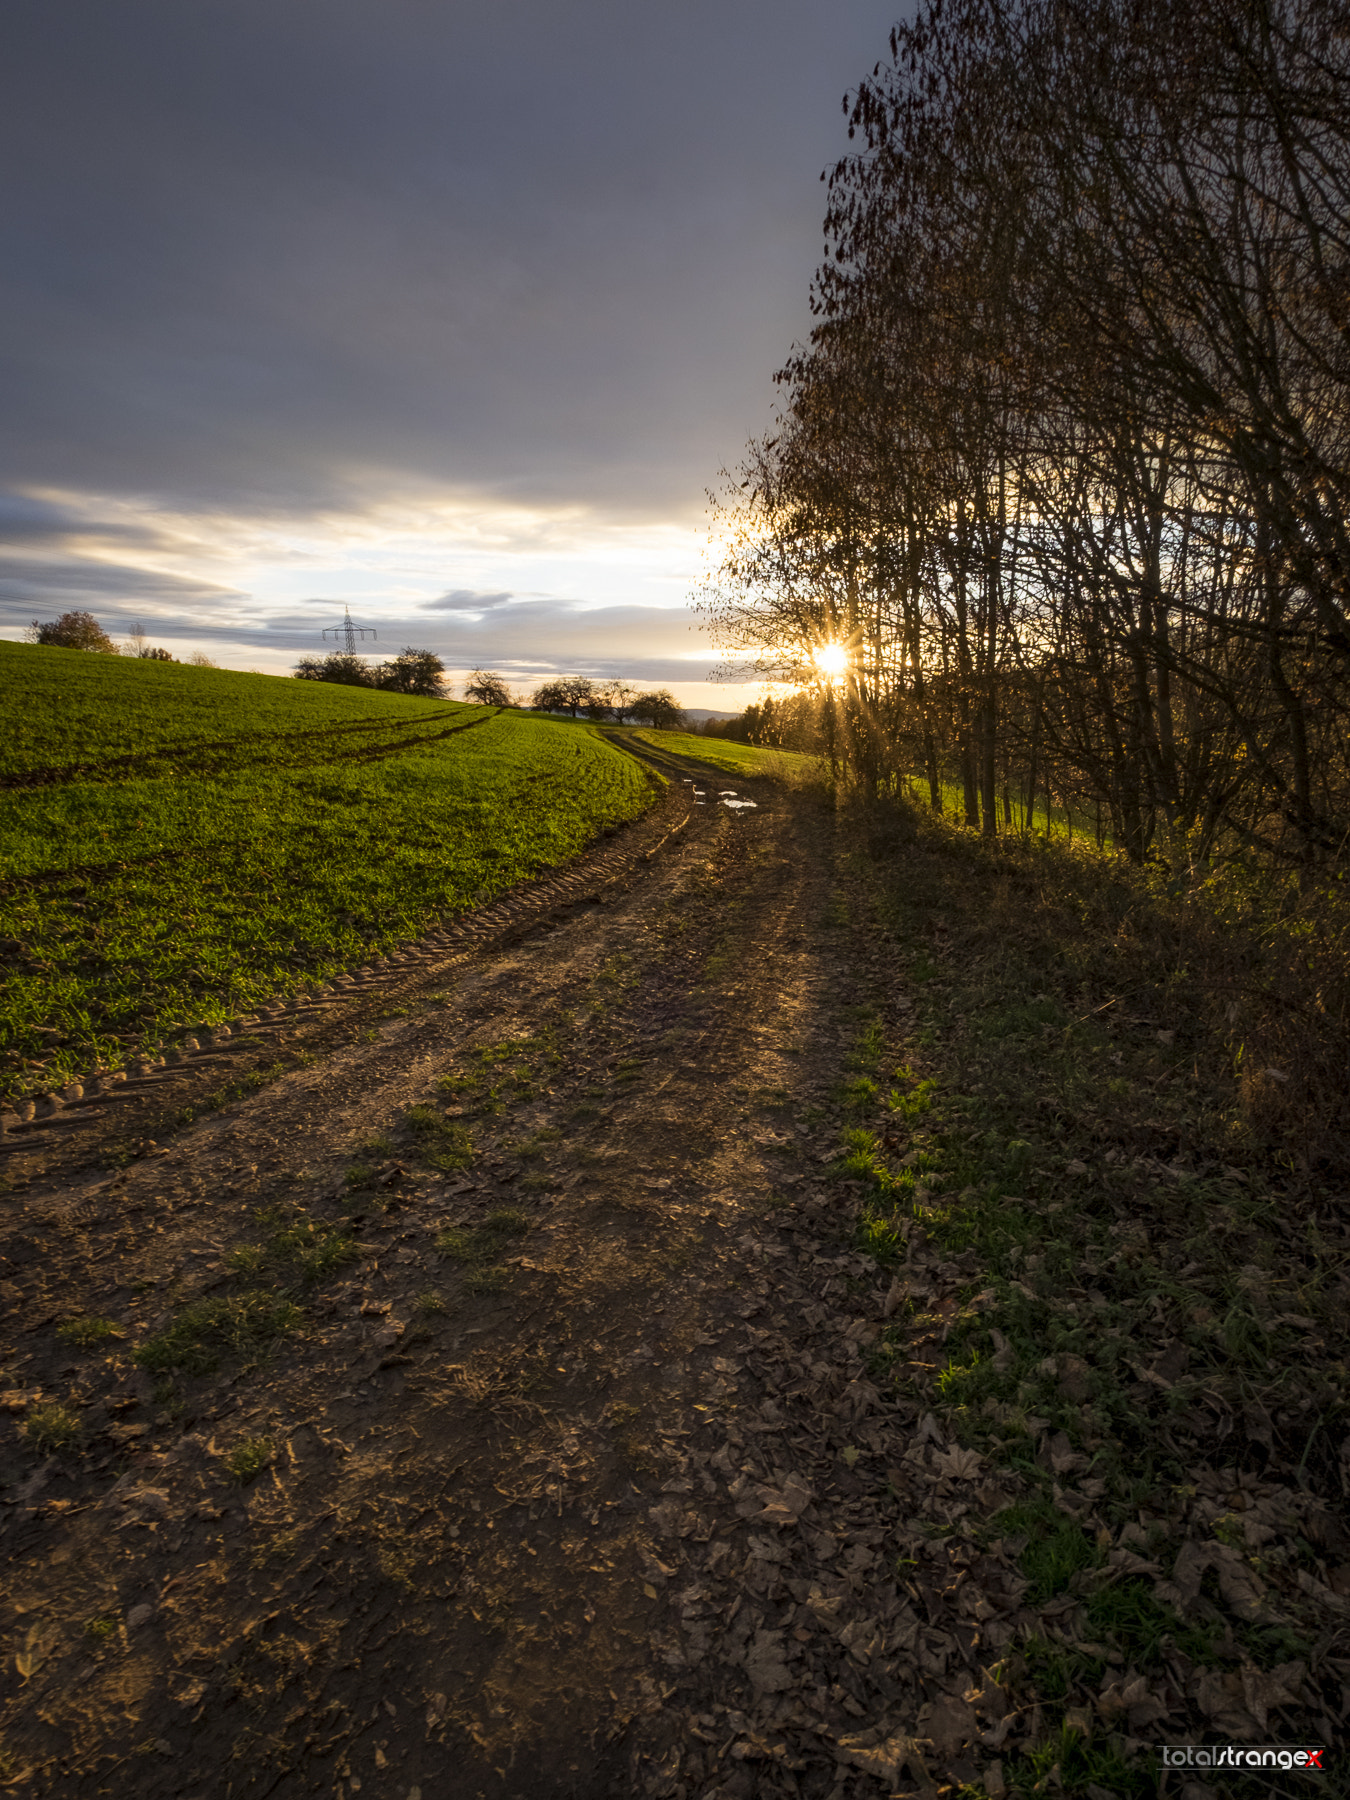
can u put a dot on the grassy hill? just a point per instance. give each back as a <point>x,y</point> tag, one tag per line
<point>178,843</point>
<point>725,753</point>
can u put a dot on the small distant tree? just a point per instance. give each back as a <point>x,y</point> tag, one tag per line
<point>581,695</point>
<point>659,709</point>
<point>549,696</point>
<point>621,695</point>
<point>139,646</point>
<point>487,689</point>
<point>413,672</point>
<point>347,671</point>
<point>200,660</point>
<point>569,693</point>
<point>72,631</point>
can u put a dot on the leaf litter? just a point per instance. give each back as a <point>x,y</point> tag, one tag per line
<point>742,1474</point>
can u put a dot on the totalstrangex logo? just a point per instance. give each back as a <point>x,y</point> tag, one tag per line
<point>1241,1756</point>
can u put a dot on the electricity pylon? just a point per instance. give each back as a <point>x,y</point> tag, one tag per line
<point>350,631</point>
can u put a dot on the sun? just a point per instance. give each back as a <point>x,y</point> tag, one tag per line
<point>830,659</point>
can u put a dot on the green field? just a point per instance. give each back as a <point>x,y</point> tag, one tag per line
<point>725,753</point>
<point>177,844</point>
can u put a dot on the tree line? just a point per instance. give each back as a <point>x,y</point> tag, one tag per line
<point>412,671</point>
<point>423,672</point>
<point>1064,467</point>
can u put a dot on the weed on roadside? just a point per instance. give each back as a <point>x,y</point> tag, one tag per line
<point>240,1089</point>
<point>248,1458</point>
<point>480,1243</point>
<point>476,1247</point>
<point>50,1426</point>
<point>240,1325</point>
<point>486,1280</point>
<point>87,1332</point>
<point>442,1143</point>
<point>299,1250</point>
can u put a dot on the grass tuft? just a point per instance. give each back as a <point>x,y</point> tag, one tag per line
<point>50,1426</point>
<point>248,1458</point>
<point>240,1325</point>
<point>442,1143</point>
<point>87,1332</point>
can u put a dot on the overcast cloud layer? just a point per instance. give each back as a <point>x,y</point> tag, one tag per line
<point>448,312</point>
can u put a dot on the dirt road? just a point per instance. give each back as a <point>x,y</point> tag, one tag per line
<point>538,1456</point>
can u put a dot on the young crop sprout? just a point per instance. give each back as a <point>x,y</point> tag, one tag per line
<point>830,659</point>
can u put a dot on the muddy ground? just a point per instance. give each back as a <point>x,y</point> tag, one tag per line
<point>538,1456</point>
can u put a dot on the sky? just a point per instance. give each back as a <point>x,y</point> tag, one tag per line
<point>445,311</point>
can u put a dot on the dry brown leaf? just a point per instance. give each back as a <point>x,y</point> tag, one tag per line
<point>887,1758</point>
<point>863,1640</point>
<point>950,1722</point>
<point>1221,1698</point>
<point>1063,1457</point>
<point>1263,1689</point>
<point>959,1465</point>
<point>1242,1589</point>
<point>766,1663</point>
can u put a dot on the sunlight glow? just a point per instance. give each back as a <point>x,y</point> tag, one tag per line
<point>830,659</point>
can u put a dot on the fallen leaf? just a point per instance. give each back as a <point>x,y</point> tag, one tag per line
<point>766,1663</point>
<point>959,1465</point>
<point>885,1759</point>
<point>38,1645</point>
<point>950,1722</point>
<point>1063,1456</point>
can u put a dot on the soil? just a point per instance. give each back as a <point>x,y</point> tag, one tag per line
<point>590,1496</point>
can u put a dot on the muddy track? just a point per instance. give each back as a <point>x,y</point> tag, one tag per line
<point>558,1492</point>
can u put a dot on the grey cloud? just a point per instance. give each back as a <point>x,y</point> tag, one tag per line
<point>550,254</point>
<point>25,519</point>
<point>31,520</point>
<point>49,583</point>
<point>466,600</point>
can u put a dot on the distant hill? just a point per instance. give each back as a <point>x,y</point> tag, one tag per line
<point>701,713</point>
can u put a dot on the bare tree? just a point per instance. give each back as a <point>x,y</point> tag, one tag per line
<point>567,693</point>
<point>659,709</point>
<point>487,689</point>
